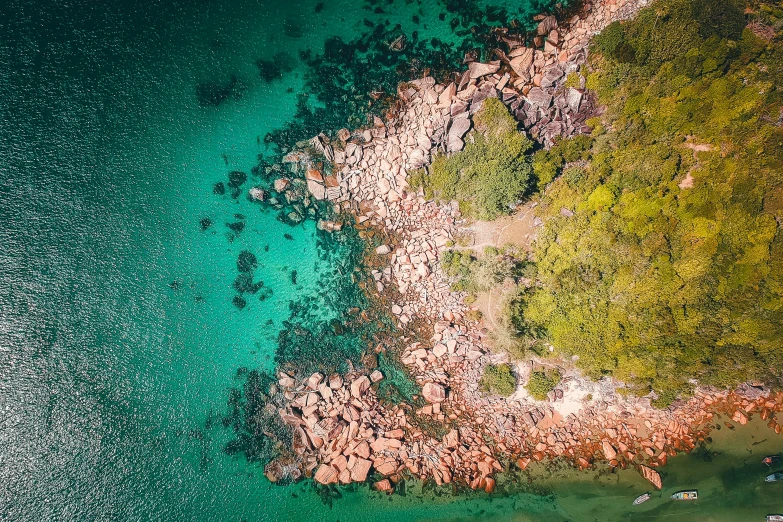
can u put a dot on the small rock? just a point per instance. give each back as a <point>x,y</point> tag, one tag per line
<point>383,486</point>
<point>257,193</point>
<point>478,69</point>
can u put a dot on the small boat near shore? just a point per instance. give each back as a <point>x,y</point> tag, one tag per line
<point>774,477</point>
<point>771,459</point>
<point>686,495</point>
<point>644,497</point>
<point>774,518</point>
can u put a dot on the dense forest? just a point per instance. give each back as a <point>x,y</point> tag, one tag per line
<point>661,258</point>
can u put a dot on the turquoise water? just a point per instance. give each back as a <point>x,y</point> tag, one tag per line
<point>119,336</point>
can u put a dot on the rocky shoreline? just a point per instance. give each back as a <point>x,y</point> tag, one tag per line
<point>342,432</point>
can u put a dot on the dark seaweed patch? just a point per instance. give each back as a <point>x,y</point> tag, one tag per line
<point>236,179</point>
<point>246,261</point>
<point>239,302</point>
<point>293,276</point>
<point>288,237</point>
<point>244,284</point>
<point>257,429</point>
<point>274,69</point>
<point>205,223</point>
<point>237,227</point>
<point>219,188</point>
<point>175,285</point>
<point>213,94</point>
<point>319,7</point>
<point>291,29</point>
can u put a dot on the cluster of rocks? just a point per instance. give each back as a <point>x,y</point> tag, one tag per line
<point>342,432</point>
<point>534,84</point>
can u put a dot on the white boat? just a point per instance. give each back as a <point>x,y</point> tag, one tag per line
<point>774,518</point>
<point>644,497</point>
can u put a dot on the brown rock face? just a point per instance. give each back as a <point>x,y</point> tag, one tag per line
<point>451,439</point>
<point>477,69</point>
<point>383,485</point>
<point>314,380</point>
<point>653,476</point>
<point>609,451</point>
<point>326,474</point>
<point>359,386</point>
<point>361,467</point>
<point>281,184</point>
<point>433,392</point>
<point>335,381</point>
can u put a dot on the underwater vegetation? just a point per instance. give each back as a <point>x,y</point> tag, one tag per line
<point>213,94</point>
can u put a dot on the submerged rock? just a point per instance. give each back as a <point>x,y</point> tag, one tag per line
<point>258,194</point>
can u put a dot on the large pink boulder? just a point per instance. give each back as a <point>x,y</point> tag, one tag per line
<point>434,392</point>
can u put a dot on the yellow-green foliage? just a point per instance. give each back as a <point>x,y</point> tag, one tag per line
<point>498,379</point>
<point>541,383</point>
<point>490,174</point>
<point>647,281</point>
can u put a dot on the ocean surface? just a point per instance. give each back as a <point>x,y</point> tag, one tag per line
<point>140,287</point>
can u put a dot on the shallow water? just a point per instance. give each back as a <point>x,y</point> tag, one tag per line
<point>119,333</point>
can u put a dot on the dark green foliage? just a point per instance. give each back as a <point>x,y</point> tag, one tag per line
<point>671,267</point>
<point>548,164</point>
<point>490,175</point>
<point>724,18</point>
<point>541,383</point>
<point>498,380</point>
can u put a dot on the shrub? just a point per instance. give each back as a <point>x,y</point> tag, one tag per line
<point>725,19</point>
<point>541,383</point>
<point>498,379</point>
<point>490,174</point>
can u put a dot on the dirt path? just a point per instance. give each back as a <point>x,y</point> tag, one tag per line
<point>518,230</point>
<point>687,182</point>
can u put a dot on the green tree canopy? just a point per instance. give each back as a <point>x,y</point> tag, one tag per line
<point>671,266</point>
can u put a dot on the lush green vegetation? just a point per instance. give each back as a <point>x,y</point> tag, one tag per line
<point>671,267</point>
<point>498,379</point>
<point>542,382</point>
<point>490,174</point>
